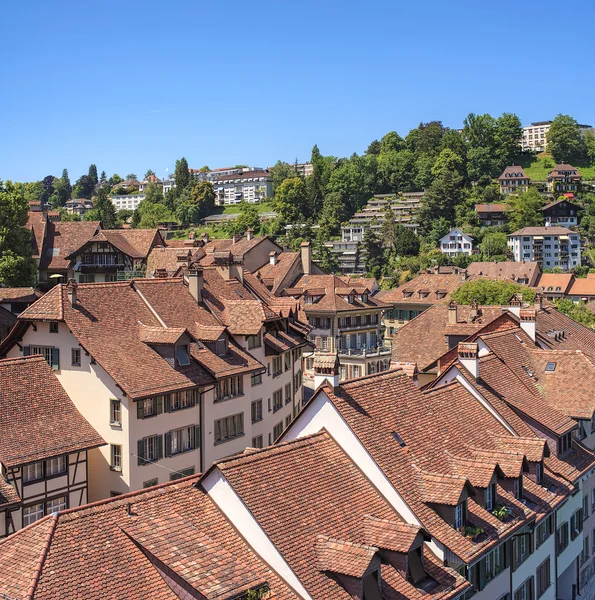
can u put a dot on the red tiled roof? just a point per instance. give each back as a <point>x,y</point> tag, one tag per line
<point>513,172</point>
<point>37,418</point>
<point>504,270</point>
<point>136,243</point>
<point>61,239</point>
<point>558,282</point>
<point>134,545</point>
<point>37,225</point>
<point>22,294</point>
<point>438,288</point>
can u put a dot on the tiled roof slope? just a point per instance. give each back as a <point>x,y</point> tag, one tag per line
<point>62,238</point>
<point>37,418</point>
<point>555,282</point>
<point>107,320</point>
<point>7,322</point>
<point>504,270</point>
<point>20,294</point>
<point>329,497</point>
<point>424,339</point>
<point>131,543</point>
<point>557,330</point>
<point>382,407</point>
<point>136,243</point>
<point>169,258</point>
<point>241,247</point>
<point>331,289</point>
<point>276,274</point>
<point>437,286</point>
<point>37,225</point>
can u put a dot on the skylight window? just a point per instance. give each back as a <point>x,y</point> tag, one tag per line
<point>551,366</point>
<point>399,439</point>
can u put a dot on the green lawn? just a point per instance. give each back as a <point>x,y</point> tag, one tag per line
<point>235,208</point>
<point>537,167</point>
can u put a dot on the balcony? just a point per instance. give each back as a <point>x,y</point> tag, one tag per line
<point>378,351</point>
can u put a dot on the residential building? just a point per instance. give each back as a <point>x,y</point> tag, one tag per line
<point>345,319</point>
<point>248,185</point>
<point>79,206</point>
<point>44,445</point>
<point>582,289</point>
<point>16,300</point>
<point>456,242</point>
<point>127,201</point>
<point>131,184</point>
<point>554,286</point>
<point>304,169</point>
<point>513,180</point>
<point>562,213</point>
<point>59,239</point>
<point>113,254</point>
<point>502,485</point>
<point>413,297</point>
<point>491,215</point>
<point>535,135</point>
<point>564,178</point>
<point>525,273</point>
<point>173,373</point>
<point>549,246</point>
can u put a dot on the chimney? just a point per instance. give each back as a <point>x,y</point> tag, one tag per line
<point>236,238</point>
<point>71,290</point>
<point>474,313</point>
<point>273,258</point>
<point>436,269</point>
<point>306,249</point>
<point>528,318</point>
<point>195,281</point>
<point>515,304</point>
<point>469,357</point>
<point>205,237</point>
<point>538,302</point>
<point>326,370</point>
<point>249,233</point>
<point>452,313</point>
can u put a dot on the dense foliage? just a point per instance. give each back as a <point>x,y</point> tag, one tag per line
<point>487,292</point>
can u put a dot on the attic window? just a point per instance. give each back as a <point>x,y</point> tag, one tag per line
<point>182,355</point>
<point>551,366</point>
<point>399,439</point>
<point>221,347</point>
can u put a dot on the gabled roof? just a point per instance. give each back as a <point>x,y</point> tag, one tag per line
<point>438,288</point>
<point>37,224</point>
<point>19,294</point>
<point>560,201</point>
<point>513,172</point>
<point>555,282</point>
<point>545,230</point>
<point>492,208</point>
<point>560,171</point>
<point>504,270</point>
<point>583,286</point>
<point>132,546</point>
<point>37,418</point>
<point>136,243</point>
<point>329,497</point>
<point>277,274</point>
<point>61,239</point>
<point>237,249</point>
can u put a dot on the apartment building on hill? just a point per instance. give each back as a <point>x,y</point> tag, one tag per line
<point>549,246</point>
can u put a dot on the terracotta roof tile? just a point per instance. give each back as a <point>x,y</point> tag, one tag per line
<point>22,294</point>
<point>345,558</point>
<point>37,418</point>
<point>61,239</point>
<point>428,288</point>
<point>391,535</point>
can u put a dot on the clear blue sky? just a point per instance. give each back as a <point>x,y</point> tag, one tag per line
<point>133,85</point>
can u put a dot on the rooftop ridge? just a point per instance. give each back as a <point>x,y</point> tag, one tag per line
<point>280,448</point>
<point>361,381</point>
<point>21,359</point>
<point>44,552</point>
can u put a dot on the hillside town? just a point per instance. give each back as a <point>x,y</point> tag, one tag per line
<point>284,318</point>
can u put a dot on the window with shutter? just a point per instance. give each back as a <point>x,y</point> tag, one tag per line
<point>140,449</point>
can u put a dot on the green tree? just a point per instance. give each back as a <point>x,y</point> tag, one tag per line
<point>564,140</point>
<point>507,137</point>
<point>204,169</point>
<point>195,202</point>
<point>182,175</point>
<point>131,176</point>
<point>525,210</point>
<point>92,174</point>
<point>103,178</point>
<point>426,138</point>
<point>83,187</point>
<point>374,254</point>
<point>115,179</point>
<point>445,191</point>
<point>589,141</point>
<point>154,194</point>
<point>406,242</point>
<point>291,200</point>
<point>316,182</point>
<point>247,219</point>
<point>482,161</point>
<point>438,229</point>
<point>148,215</point>
<point>324,257</point>
<point>374,148</point>
<point>148,174</point>
<point>391,142</point>
<point>332,214</point>
<point>123,216</point>
<point>62,190</point>
<point>494,244</point>
<point>396,170</point>
<point>579,312</point>
<point>17,266</point>
<point>104,208</point>
<point>280,172</point>
<point>488,292</point>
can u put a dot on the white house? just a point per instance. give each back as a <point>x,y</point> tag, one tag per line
<point>456,242</point>
<point>549,246</point>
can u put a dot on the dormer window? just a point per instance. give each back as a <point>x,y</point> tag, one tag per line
<point>490,496</point>
<point>183,355</point>
<point>518,488</point>
<point>460,514</point>
<point>221,347</point>
<point>350,299</point>
<point>538,473</point>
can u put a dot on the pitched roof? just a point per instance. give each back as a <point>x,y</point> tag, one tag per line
<point>37,223</point>
<point>582,286</point>
<point>504,270</point>
<point>62,238</point>
<point>555,203</point>
<point>171,258</point>
<point>276,274</point>
<point>560,171</point>
<point>492,208</point>
<point>237,249</point>
<point>329,497</point>
<point>513,172</point>
<point>19,294</point>
<point>135,545</point>
<point>37,418</point>
<point>424,339</point>
<point>428,288</point>
<point>136,243</point>
<point>392,418</point>
<point>556,282</point>
<point>545,230</point>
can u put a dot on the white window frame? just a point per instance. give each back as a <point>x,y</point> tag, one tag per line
<point>33,513</point>
<point>33,472</point>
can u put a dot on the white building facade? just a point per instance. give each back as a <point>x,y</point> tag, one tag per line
<point>456,242</point>
<point>549,246</point>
